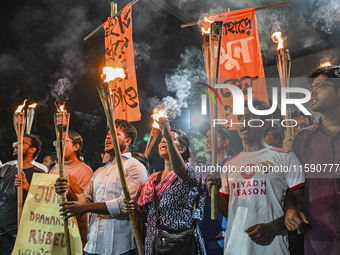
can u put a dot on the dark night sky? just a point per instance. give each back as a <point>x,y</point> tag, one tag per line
<point>42,41</point>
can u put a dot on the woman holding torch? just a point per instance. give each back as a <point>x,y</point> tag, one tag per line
<point>171,199</point>
<point>78,173</point>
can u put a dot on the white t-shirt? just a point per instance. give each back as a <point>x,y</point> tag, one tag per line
<point>256,183</point>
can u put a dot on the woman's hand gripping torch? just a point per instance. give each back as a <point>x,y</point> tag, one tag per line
<point>154,131</point>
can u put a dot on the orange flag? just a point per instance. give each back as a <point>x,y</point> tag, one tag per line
<point>119,54</point>
<point>240,58</point>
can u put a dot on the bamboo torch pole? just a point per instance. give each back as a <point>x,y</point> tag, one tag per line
<point>283,61</point>
<point>61,122</point>
<point>216,35</point>
<point>19,126</point>
<point>107,99</point>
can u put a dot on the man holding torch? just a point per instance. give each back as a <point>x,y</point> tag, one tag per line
<point>8,191</point>
<point>212,230</point>
<point>110,230</point>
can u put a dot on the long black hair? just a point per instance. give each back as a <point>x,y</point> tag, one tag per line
<point>183,140</point>
<point>76,139</point>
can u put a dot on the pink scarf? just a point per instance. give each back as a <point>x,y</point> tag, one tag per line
<point>147,190</point>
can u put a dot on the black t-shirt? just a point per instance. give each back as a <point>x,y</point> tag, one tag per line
<point>8,197</point>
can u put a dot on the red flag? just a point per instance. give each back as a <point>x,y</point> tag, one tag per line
<point>119,54</point>
<point>240,59</point>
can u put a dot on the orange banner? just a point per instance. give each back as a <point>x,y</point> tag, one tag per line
<point>240,57</point>
<point>119,53</point>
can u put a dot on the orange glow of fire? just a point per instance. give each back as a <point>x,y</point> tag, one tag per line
<point>113,73</point>
<point>208,20</point>
<point>277,38</point>
<point>21,107</point>
<point>326,64</point>
<point>32,106</point>
<point>61,108</point>
<point>157,113</point>
<point>205,31</point>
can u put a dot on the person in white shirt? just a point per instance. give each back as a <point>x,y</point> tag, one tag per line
<point>110,230</point>
<point>253,186</point>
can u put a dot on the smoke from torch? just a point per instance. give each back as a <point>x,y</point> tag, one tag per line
<point>154,131</point>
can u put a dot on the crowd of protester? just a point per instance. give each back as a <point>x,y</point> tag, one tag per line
<point>260,210</point>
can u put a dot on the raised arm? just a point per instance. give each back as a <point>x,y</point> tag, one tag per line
<point>176,159</point>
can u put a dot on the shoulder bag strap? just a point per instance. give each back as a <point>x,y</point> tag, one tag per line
<point>155,195</point>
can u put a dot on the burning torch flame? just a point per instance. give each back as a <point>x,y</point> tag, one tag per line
<point>277,38</point>
<point>326,64</point>
<point>113,73</point>
<point>32,106</point>
<point>156,115</point>
<point>205,31</point>
<point>21,107</point>
<point>208,20</point>
<point>61,108</point>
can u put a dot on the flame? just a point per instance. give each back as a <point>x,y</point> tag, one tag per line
<point>205,31</point>
<point>157,113</point>
<point>207,20</point>
<point>61,108</point>
<point>326,64</point>
<point>21,107</point>
<point>113,73</point>
<point>32,106</point>
<point>277,38</point>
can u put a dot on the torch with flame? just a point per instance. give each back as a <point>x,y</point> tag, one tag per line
<point>211,38</point>
<point>326,64</point>
<point>154,131</point>
<point>19,126</point>
<point>107,98</point>
<point>283,61</point>
<point>30,117</point>
<point>61,124</point>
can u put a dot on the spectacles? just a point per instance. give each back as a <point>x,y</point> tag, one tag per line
<point>318,87</point>
<point>16,143</point>
<point>66,140</point>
